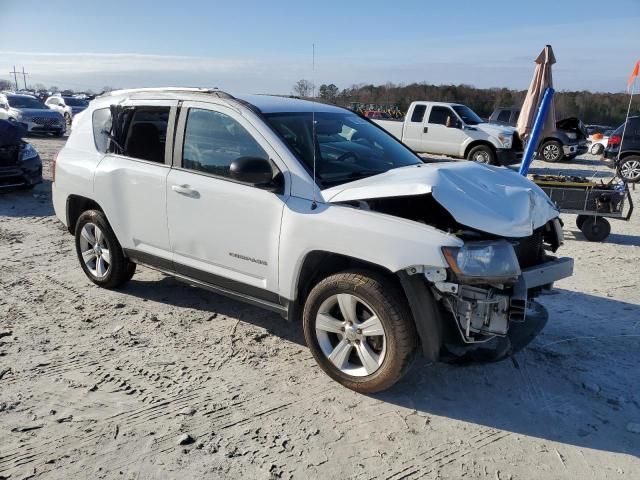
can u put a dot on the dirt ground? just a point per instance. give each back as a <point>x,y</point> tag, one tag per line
<point>162,380</point>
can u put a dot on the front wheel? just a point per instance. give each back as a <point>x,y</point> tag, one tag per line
<point>596,149</point>
<point>360,331</point>
<point>482,154</point>
<point>100,254</point>
<point>630,169</point>
<point>551,151</point>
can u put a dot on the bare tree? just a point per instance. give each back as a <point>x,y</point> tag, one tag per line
<point>303,88</point>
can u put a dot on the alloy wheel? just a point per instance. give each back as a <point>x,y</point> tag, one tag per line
<point>351,335</point>
<point>95,250</point>
<point>551,152</point>
<point>481,157</point>
<point>630,170</point>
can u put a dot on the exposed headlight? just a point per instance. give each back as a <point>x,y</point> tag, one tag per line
<point>483,262</point>
<point>506,140</point>
<point>28,152</point>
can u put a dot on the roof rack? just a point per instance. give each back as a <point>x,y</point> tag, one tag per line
<point>210,91</point>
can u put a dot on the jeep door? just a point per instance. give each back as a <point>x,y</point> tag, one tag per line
<point>440,139</point>
<point>223,232</point>
<point>130,181</point>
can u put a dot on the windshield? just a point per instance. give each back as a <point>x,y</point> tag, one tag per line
<point>347,146</point>
<point>75,102</point>
<point>467,115</point>
<point>16,101</point>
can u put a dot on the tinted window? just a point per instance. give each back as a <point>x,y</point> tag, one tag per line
<point>504,116</point>
<point>439,115</point>
<point>418,113</point>
<point>75,102</point>
<point>213,140</point>
<point>17,101</point>
<point>146,133</point>
<point>345,147</point>
<point>101,128</point>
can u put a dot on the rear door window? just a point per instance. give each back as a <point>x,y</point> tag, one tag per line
<point>144,134</point>
<point>418,113</point>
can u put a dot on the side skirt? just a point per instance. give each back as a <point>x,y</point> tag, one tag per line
<point>213,283</point>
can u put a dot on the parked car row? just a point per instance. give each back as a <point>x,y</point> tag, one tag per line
<point>20,164</point>
<point>51,117</point>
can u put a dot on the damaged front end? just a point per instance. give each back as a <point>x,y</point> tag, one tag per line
<point>485,304</point>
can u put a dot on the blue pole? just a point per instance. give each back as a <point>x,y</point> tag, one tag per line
<point>532,142</point>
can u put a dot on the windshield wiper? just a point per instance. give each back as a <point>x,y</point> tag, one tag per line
<point>353,176</point>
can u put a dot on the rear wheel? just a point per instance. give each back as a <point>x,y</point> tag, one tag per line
<point>99,252</point>
<point>630,169</point>
<point>360,330</point>
<point>551,151</point>
<point>596,229</point>
<point>482,154</point>
<point>596,149</point>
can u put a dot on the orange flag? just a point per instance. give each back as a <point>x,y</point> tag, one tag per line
<point>634,75</point>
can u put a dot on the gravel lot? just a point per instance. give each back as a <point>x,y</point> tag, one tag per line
<point>162,380</point>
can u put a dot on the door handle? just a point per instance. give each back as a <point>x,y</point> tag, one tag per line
<point>185,190</point>
<point>425,129</point>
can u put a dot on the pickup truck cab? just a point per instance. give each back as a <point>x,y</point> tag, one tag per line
<point>457,131</point>
<point>313,212</point>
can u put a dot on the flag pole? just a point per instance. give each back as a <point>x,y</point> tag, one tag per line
<point>624,129</point>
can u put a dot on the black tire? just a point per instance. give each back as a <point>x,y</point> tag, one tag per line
<point>551,151</point>
<point>580,220</point>
<point>629,169</point>
<point>67,119</point>
<point>388,304</point>
<point>596,229</point>
<point>482,154</point>
<point>59,134</point>
<point>596,149</point>
<point>120,269</point>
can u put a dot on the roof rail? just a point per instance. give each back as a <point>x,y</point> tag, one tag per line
<point>211,91</point>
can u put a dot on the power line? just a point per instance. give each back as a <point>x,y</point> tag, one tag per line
<point>24,77</point>
<point>15,76</point>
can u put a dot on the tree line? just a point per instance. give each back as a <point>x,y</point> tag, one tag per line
<point>599,108</point>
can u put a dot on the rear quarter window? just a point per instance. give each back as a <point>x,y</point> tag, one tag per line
<point>101,120</point>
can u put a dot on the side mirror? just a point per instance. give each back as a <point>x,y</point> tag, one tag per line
<point>252,170</point>
<point>453,123</point>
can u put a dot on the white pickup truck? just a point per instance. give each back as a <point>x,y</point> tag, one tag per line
<point>457,131</point>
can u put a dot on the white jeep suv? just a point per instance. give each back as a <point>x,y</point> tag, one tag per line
<point>316,213</point>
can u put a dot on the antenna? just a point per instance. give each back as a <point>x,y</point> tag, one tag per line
<point>314,204</point>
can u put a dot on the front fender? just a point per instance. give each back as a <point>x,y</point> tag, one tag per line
<point>390,242</point>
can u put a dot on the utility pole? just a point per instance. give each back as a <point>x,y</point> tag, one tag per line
<point>15,76</point>
<point>24,77</point>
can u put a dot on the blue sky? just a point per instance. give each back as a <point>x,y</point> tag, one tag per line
<point>265,46</point>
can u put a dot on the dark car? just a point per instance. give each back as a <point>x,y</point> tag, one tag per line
<point>628,161</point>
<point>20,164</point>
<point>568,140</point>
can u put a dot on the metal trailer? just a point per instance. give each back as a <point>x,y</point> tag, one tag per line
<point>591,202</point>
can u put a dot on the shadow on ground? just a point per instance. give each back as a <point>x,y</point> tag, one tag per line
<point>616,238</point>
<point>170,291</point>
<point>575,384</point>
<point>27,203</point>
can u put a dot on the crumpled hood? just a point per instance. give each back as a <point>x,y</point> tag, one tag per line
<point>495,130</point>
<point>490,199</point>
